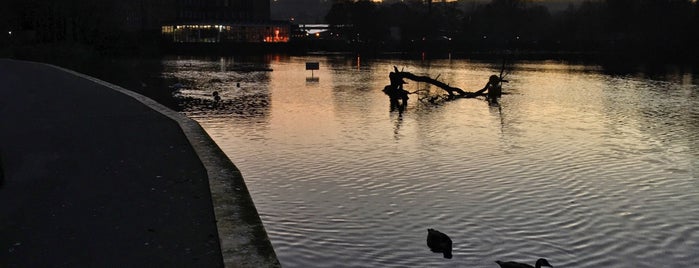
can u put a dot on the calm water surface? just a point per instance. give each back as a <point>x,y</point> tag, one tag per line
<point>584,168</point>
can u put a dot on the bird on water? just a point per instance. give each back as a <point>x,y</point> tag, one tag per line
<point>512,264</point>
<point>439,242</point>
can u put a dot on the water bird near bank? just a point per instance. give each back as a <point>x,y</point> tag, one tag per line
<point>511,264</point>
<point>439,242</point>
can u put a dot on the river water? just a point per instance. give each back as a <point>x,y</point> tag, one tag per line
<point>578,165</point>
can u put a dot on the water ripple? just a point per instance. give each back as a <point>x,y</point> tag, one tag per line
<point>582,168</point>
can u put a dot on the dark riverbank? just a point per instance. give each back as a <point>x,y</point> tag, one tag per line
<point>95,175</point>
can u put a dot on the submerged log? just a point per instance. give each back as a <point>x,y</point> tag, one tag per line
<point>397,77</point>
<point>397,95</point>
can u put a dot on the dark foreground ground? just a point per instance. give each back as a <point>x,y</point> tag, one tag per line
<point>93,177</point>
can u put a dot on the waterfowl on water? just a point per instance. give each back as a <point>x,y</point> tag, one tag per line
<point>512,264</point>
<point>439,242</point>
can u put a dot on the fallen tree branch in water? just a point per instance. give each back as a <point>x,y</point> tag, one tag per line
<point>395,89</point>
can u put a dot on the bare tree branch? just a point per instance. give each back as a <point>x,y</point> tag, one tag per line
<point>397,77</point>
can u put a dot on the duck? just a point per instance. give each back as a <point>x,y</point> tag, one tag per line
<point>439,242</point>
<point>512,264</point>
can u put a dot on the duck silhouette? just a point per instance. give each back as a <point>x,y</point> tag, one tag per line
<point>512,264</point>
<point>439,242</point>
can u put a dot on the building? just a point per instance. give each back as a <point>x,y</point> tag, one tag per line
<point>225,21</point>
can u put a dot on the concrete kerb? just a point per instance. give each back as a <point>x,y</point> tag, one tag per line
<point>244,241</point>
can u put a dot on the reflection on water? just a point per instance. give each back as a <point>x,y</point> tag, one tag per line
<point>581,167</point>
<point>222,86</point>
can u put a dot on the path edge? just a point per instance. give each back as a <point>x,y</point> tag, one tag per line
<point>242,236</point>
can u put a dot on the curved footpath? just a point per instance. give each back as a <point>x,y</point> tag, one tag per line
<point>94,175</point>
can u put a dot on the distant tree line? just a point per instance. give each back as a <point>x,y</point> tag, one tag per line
<point>53,21</point>
<point>632,28</point>
<point>105,26</point>
<point>643,28</point>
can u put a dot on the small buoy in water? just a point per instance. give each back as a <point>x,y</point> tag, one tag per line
<point>512,264</point>
<point>216,96</point>
<point>439,242</point>
<point>237,84</point>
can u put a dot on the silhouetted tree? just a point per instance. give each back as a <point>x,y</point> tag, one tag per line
<point>361,21</point>
<point>103,25</point>
<point>694,34</point>
<point>637,28</point>
<point>338,13</point>
<point>507,24</point>
<point>581,28</point>
<point>655,28</point>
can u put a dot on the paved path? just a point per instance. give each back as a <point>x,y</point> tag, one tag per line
<point>93,177</point>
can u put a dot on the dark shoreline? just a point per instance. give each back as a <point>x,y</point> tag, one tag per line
<point>129,182</point>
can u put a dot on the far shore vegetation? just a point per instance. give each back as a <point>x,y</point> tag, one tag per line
<point>620,30</point>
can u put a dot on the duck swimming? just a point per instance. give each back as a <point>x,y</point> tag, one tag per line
<point>439,242</point>
<point>512,264</point>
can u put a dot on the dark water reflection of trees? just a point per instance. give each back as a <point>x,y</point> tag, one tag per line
<point>145,75</point>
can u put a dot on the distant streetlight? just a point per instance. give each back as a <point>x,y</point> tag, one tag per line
<point>9,32</point>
